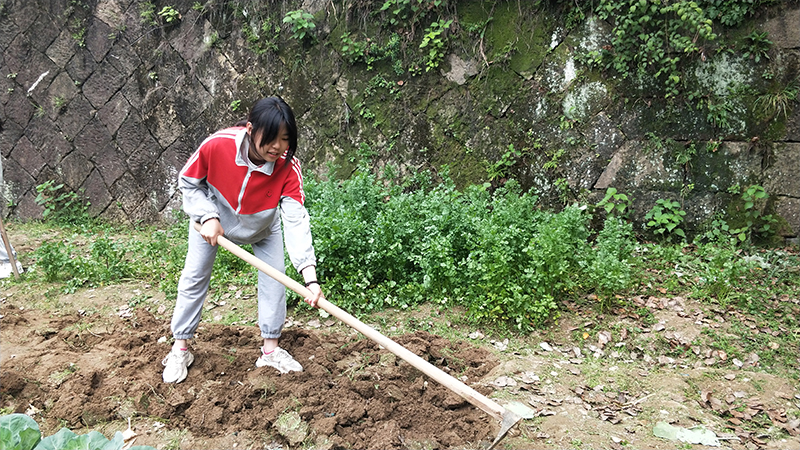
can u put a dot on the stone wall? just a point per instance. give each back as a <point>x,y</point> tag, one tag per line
<point>111,104</point>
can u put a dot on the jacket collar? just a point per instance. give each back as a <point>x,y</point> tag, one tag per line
<point>243,146</point>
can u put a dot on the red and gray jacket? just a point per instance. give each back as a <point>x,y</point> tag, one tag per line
<point>220,181</point>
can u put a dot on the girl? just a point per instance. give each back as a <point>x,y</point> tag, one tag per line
<point>239,183</point>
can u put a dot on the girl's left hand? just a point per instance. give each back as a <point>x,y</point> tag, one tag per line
<point>316,295</point>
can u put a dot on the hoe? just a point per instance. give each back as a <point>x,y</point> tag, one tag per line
<point>507,418</point>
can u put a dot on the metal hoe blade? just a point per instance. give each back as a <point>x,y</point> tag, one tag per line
<point>508,421</point>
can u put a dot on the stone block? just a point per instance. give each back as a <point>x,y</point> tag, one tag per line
<point>8,31</point>
<point>164,124</point>
<point>28,156</point>
<point>793,125</point>
<point>43,32</point>
<point>81,66</point>
<point>74,169</point>
<point>96,191</point>
<point>783,28</point>
<point>114,213</point>
<point>9,135</point>
<point>75,116</point>
<point>16,181</point>
<point>114,112</point>
<point>102,84</point>
<point>212,67</point>
<point>25,206</point>
<point>789,209</point>
<point>34,74</point>
<point>132,133</point>
<point>124,58</point>
<point>143,161</point>
<point>24,15</point>
<point>128,193</point>
<point>190,99</point>
<point>144,213</point>
<point>40,130</point>
<point>62,49</point>
<point>111,12</point>
<point>190,43</point>
<point>782,177</point>
<point>111,165</point>
<point>97,39</point>
<point>61,91</point>
<point>57,147</point>
<point>630,168</point>
<point>734,163</point>
<point>93,140</point>
<point>584,171</point>
<point>18,108</point>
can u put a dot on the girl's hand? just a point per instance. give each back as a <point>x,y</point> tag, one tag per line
<point>316,295</point>
<point>211,230</point>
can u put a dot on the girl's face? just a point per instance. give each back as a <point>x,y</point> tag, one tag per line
<point>270,152</point>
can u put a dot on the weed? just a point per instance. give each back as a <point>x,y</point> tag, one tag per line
<point>59,103</point>
<point>301,24</point>
<point>773,104</point>
<point>501,168</point>
<point>615,203</point>
<point>169,14</point>
<point>147,12</point>
<point>435,43</point>
<point>62,206</point>
<point>665,218</point>
<point>757,46</point>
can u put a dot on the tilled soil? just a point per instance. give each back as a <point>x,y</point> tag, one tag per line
<point>78,371</point>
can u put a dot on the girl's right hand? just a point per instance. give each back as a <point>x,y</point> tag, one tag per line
<point>211,230</point>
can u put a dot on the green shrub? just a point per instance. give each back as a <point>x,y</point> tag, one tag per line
<point>62,206</point>
<point>381,244</point>
<point>301,23</point>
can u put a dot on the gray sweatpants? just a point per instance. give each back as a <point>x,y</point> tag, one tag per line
<point>196,277</point>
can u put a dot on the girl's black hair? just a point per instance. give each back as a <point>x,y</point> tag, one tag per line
<point>267,115</point>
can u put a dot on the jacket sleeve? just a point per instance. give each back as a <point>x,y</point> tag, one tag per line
<point>192,182</point>
<point>297,233</point>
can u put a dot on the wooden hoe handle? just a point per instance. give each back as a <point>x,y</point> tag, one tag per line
<point>466,392</point>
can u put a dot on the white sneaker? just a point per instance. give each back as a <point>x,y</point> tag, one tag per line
<point>279,359</point>
<point>176,364</point>
<point>6,270</point>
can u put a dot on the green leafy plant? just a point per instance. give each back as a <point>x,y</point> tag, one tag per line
<point>650,39</point>
<point>21,432</point>
<point>757,46</point>
<point>147,12</point>
<point>755,222</point>
<point>615,203</point>
<point>236,105</point>
<point>502,167</point>
<point>495,252</point>
<point>169,14</point>
<point>435,43</point>
<point>62,206</point>
<point>78,31</point>
<point>409,12</point>
<point>665,218</point>
<point>301,24</point>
